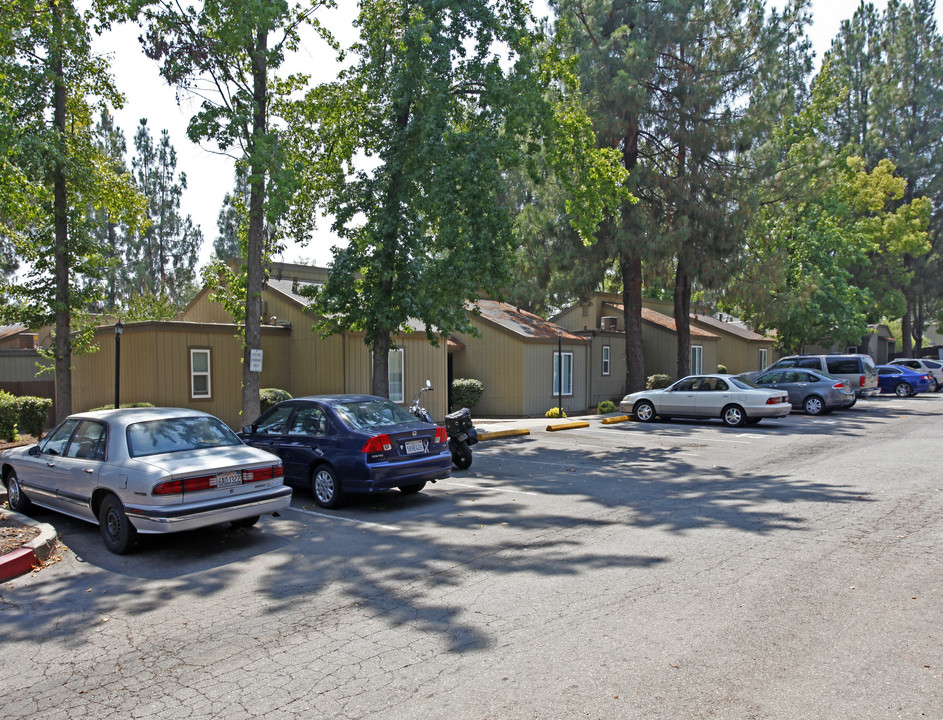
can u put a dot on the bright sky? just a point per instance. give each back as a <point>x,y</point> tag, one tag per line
<point>209,175</point>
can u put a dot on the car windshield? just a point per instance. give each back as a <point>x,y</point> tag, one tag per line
<point>168,435</point>
<point>364,414</point>
<point>743,383</point>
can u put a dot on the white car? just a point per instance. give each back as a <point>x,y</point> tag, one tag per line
<point>933,368</point>
<point>734,400</point>
<point>145,470</point>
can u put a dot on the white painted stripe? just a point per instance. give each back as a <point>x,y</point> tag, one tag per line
<point>344,519</point>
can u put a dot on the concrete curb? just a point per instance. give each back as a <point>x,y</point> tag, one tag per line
<point>502,434</point>
<point>568,426</point>
<point>33,553</point>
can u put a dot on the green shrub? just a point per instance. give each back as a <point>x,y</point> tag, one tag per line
<point>657,381</point>
<point>272,396</point>
<point>9,414</point>
<point>32,414</point>
<point>555,412</point>
<point>466,392</point>
<point>606,406</point>
<point>722,369</point>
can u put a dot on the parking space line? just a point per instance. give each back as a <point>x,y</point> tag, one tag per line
<point>487,487</point>
<point>344,519</point>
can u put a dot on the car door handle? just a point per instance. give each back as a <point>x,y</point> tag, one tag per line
<point>88,470</point>
<point>49,464</point>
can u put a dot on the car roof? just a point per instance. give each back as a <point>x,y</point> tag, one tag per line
<point>340,398</point>
<point>129,415</point>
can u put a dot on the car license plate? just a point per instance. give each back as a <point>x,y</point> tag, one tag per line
<point>414,446</point>
<point>228,479</point>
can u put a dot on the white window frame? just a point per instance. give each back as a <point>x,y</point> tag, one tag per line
<point>567,374</point>
<point>399,397</point>
<point>764,358</point>
<point>606,359</point>
<point>208,374</point>
<point>697,359</point>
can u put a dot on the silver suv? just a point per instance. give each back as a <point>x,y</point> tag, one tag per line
<point>857,370</point>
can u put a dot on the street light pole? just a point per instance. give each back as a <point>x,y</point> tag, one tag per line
<point>119,328</point>
<point>560,373</point>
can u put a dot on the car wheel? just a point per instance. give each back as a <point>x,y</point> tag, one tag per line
<point>644,411</point>
<point>116,530</point>
<point>813,405</point>
<point>15,495</point>
<point>733,416</point>
<point>412,489</point>
<point>325,487</point>
<point>904,389</point>
<point>245,522</point>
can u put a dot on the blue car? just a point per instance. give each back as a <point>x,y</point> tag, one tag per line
<point>903,381</point>
<point>340,444</point>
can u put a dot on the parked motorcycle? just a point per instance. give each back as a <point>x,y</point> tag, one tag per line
<point>458,426</point>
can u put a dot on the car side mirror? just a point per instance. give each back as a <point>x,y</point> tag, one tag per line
<point>34,451</point>
<point>247,429</point>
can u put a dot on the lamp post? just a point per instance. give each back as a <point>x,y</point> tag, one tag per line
<point>560,373</point>
<point>119,328</point>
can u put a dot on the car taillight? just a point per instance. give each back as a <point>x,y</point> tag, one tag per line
<point>774,400</point>
<point>838,385</point>
<point>175,487</point>
<point>377,444</point>
<point>861,381</point>
<point>440,435</point>
<point>276,471</point>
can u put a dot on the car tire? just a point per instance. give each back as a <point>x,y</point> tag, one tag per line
<point>852,403</point>
<point>412,489</point>
<point>246,522</point>
<point>733,416</point>
<point>813,405</point>
<point>644,411</point>
<point>15,496</point>
<point>903,389</point>
<point>116,530</point>
<point>325,487</point>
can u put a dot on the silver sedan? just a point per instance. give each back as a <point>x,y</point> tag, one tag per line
<point>145,470</point>
<point>735,401</point>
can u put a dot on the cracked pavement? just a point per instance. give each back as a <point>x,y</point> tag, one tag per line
<point>625,571</point>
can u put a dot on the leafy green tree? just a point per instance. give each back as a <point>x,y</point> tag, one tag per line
<point>231,223</point>
<point>49,73</point>
<point>444,99</point>
<point>161,260</point>
<point>110,142</point>
<point>228,53</point>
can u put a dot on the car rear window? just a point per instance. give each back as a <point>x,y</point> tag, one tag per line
<point>843,366</point>
<point>169,435</point>
<point>363,414</point>
<point>932,364</point>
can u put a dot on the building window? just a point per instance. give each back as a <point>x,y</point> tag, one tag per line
<point>605,359</point>
<point>764,358</point>
<point>697,359</point>
<point>567,373</point>
<point>396,375</point>
<point>851,350</point>
<point>200,385</point>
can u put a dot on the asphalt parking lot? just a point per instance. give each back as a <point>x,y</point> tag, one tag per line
<point>670,570</point>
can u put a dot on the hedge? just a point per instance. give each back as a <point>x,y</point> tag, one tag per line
<point>26,414</point>
<point>466,392</point>
<point>272,396</point>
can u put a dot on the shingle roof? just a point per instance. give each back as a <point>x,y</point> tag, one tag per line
<point>522,323</point>
<point>733,329</point>
<point>665,321</point>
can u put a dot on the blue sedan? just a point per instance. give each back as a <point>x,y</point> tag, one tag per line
<point>903,381</point>
<point>340,444</point>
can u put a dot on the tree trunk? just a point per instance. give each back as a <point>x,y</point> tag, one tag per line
<point>682,309</point>
<point>907,348</point>
<point>63,351</point>
<point>380,382</point>
<point>255,279</point>
<point>632,318</point>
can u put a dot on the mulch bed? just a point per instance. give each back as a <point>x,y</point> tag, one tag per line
<point>13,535</point>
